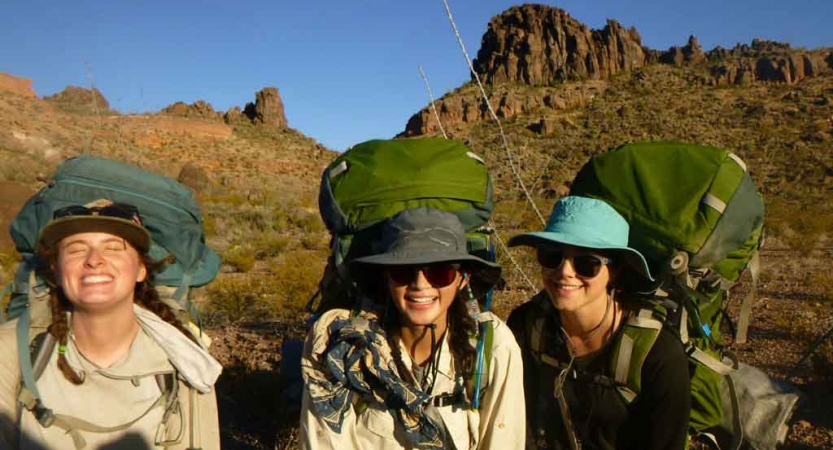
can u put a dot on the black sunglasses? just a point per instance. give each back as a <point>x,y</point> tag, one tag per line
<point>585,264</point>
<point>439,275</point>
<point>117,210</point>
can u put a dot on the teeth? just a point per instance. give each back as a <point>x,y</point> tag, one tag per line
<point>568,287</point>
<point>96,279</point>
<point>421,300</point>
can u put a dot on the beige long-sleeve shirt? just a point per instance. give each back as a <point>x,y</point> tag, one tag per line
<point>499,424</point>
<point>108,397</point>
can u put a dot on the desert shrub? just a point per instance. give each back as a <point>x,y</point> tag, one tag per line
<point>293,280</point>
<point>271,244</point>
<point>800,226</point>
<point>306,221</point>
<point>234,299</point>
<point>241,257</point>
<point>314,241</point>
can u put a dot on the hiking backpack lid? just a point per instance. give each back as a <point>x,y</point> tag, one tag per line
<point>680,197</point>
<point>374,180</point>
<point>168,210</point>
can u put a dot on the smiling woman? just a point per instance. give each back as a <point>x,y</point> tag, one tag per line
<point>570,331</point>
<point>397,371</point>
<point>120,370</point>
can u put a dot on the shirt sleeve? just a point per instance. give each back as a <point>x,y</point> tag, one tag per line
<point>9,384</point>
<point>662,412</point>
<point>503,410</point>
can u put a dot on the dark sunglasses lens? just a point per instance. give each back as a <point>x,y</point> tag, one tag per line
<point>587,266</point>
<point>550,259</point>
<point>401,275</point>
<point>440,275</point>
<point>72,210</point>
<point>119,210</point>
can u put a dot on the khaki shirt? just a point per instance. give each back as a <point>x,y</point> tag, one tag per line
<point>107,397</point>
<point>499,424</point>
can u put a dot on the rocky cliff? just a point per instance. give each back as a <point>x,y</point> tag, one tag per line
<point>544,48</point>
<point>542,45</point>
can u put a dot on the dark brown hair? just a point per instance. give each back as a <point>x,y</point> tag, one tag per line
<point>461,325</point>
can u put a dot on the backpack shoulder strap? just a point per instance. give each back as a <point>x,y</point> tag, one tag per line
<point>483,344</point>
<point>635,342</point>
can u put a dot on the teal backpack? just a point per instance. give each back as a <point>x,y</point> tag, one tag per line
<point>696,216</point>
<point>169,211</point>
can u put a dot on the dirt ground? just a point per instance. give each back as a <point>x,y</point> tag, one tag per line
<point>791,311</point>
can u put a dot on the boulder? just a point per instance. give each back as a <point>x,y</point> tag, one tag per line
<point>194,177</point>
<point>199,109</point>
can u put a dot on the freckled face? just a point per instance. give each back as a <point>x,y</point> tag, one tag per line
<point>421,303</point>
<point>98,270</point>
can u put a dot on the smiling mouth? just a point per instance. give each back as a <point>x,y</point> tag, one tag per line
<point>96,279</point>
<point>421,300</point>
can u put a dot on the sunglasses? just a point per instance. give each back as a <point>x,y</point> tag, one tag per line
<point>438,275</point>
<point>585,264</point>
<point>117,210</point>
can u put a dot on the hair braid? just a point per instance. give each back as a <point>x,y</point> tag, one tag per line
<point>60,330</point>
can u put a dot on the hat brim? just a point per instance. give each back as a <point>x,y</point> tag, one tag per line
<point>632,258</point>
<point>58,229</point>
<point>483,279</point>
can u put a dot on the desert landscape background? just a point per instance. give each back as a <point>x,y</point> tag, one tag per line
<point>563,93</point>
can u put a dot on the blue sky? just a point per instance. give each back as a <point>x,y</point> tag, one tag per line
<point>346,69</point>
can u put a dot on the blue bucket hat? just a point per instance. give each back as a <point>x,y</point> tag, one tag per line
<point>588,223</point>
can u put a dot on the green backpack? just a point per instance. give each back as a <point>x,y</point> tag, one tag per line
<point>696,216</point>
<point>169,211</point>
<point>377,179</point>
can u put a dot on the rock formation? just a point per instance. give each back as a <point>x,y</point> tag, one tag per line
<point>690,54</point>
<point>468,107</point>
<point>541,45</point>
<point>79,100</point>
<point>199,109</point>
<point>267,109</point>
<point>16,85</point>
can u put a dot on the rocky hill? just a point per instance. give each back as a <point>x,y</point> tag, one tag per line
<point>544,47</point>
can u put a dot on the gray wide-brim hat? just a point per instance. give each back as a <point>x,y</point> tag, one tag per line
<point>131,230</point>
<point>424,236</point>
<point>588,223</point>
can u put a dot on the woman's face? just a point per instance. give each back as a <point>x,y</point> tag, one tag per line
<point>423,294</point>
<point>571,290</point>
<point>98,270</point>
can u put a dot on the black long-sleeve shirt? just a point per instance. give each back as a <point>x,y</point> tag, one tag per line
<point>657,419</point>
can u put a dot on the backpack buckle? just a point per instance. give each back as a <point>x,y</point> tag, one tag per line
<point>43,414</point>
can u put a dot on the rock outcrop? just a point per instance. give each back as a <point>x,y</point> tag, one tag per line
<point>78,100</point>
<point>766,61</point>
<point>267,109</point>
<point>469,107</point>
<point>199,109</point>
<point>690,54</point>
<point>540,45</point>
<point>16,85</point>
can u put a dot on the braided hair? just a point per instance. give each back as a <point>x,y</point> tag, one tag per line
<point>144,294</point>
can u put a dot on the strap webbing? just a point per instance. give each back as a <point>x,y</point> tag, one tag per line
<point>746,306</point>
<point>716,203</point>
<point>708,360</point>
<point>24,356</point>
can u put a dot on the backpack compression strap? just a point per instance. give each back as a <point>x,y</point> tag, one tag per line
<point>746,306</point>
<point>636,340</point>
